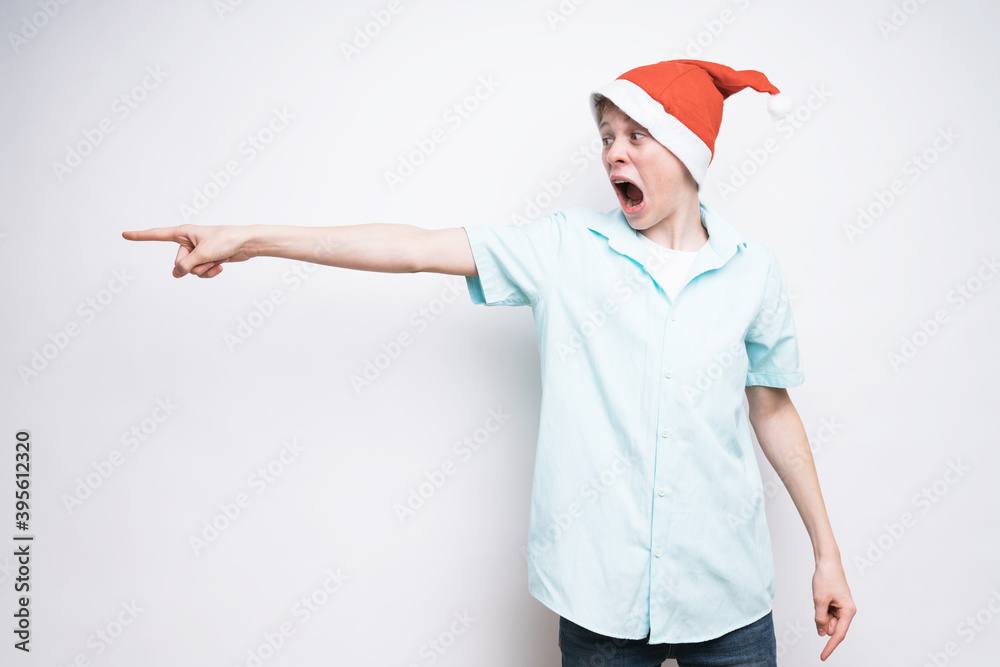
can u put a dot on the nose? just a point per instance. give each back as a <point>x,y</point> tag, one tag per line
<point>615,152</point>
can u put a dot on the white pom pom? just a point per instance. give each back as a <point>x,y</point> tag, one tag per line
<point>779,105</point>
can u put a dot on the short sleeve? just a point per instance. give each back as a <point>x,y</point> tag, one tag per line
<point>771,344</point>
<point>514,262</point>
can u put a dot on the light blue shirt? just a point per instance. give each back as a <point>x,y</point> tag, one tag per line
<point>647,512</point>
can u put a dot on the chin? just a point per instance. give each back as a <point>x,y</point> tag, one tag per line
<point>640,221</point>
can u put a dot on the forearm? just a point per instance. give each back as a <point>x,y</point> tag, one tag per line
<point>385,247</point>
<point>783,440</point>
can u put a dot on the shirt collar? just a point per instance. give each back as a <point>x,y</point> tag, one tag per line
<point>723,240</point>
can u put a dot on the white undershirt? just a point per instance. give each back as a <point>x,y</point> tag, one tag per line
<point>668,266</point>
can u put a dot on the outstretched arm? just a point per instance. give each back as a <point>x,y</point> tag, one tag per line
<point>384,247</point>
<point>784,442</point>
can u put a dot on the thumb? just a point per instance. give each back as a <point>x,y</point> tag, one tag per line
<point>190,257</point>
<point>182,263</point>
<point>822,618</point>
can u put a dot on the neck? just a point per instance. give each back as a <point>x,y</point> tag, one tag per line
<point>681,229</point>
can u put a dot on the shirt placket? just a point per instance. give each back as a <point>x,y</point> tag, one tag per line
<point>662,327</point>
<point>670,323</point>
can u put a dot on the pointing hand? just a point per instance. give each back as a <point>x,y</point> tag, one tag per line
<point>203,250</point>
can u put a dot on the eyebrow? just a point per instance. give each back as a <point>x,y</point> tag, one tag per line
<point>633,123</point>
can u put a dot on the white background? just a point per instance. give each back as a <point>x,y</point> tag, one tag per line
<point>896,428</point>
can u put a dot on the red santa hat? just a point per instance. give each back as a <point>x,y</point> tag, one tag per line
<point>680,103</point>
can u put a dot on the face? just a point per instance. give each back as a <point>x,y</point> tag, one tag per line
<point>651,183</point>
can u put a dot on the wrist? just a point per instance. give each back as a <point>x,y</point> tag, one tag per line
<point>827,554</point>
<point>258,241</point>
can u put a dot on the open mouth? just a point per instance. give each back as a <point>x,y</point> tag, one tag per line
<point>629,194</point>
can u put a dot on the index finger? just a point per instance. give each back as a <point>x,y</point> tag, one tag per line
<point>154,234</point>
<point>838,636</point>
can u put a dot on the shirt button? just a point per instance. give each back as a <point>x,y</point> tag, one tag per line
<point>665,432</point>
<point>658,553</point>
<point>662,491</point>
<point>668,374</point>
<point>673,316</point>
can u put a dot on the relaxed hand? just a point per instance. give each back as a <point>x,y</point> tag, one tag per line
<point>834,605</point>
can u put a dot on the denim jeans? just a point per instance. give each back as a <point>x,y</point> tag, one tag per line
<point>753,645</point>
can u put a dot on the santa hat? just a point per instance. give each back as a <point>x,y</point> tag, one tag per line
<point>680,103</point>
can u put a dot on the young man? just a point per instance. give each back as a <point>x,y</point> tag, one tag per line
<point>647,532</point>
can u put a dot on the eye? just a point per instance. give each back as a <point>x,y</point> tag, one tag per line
<point>606,140</point>
<point>637,134</point>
